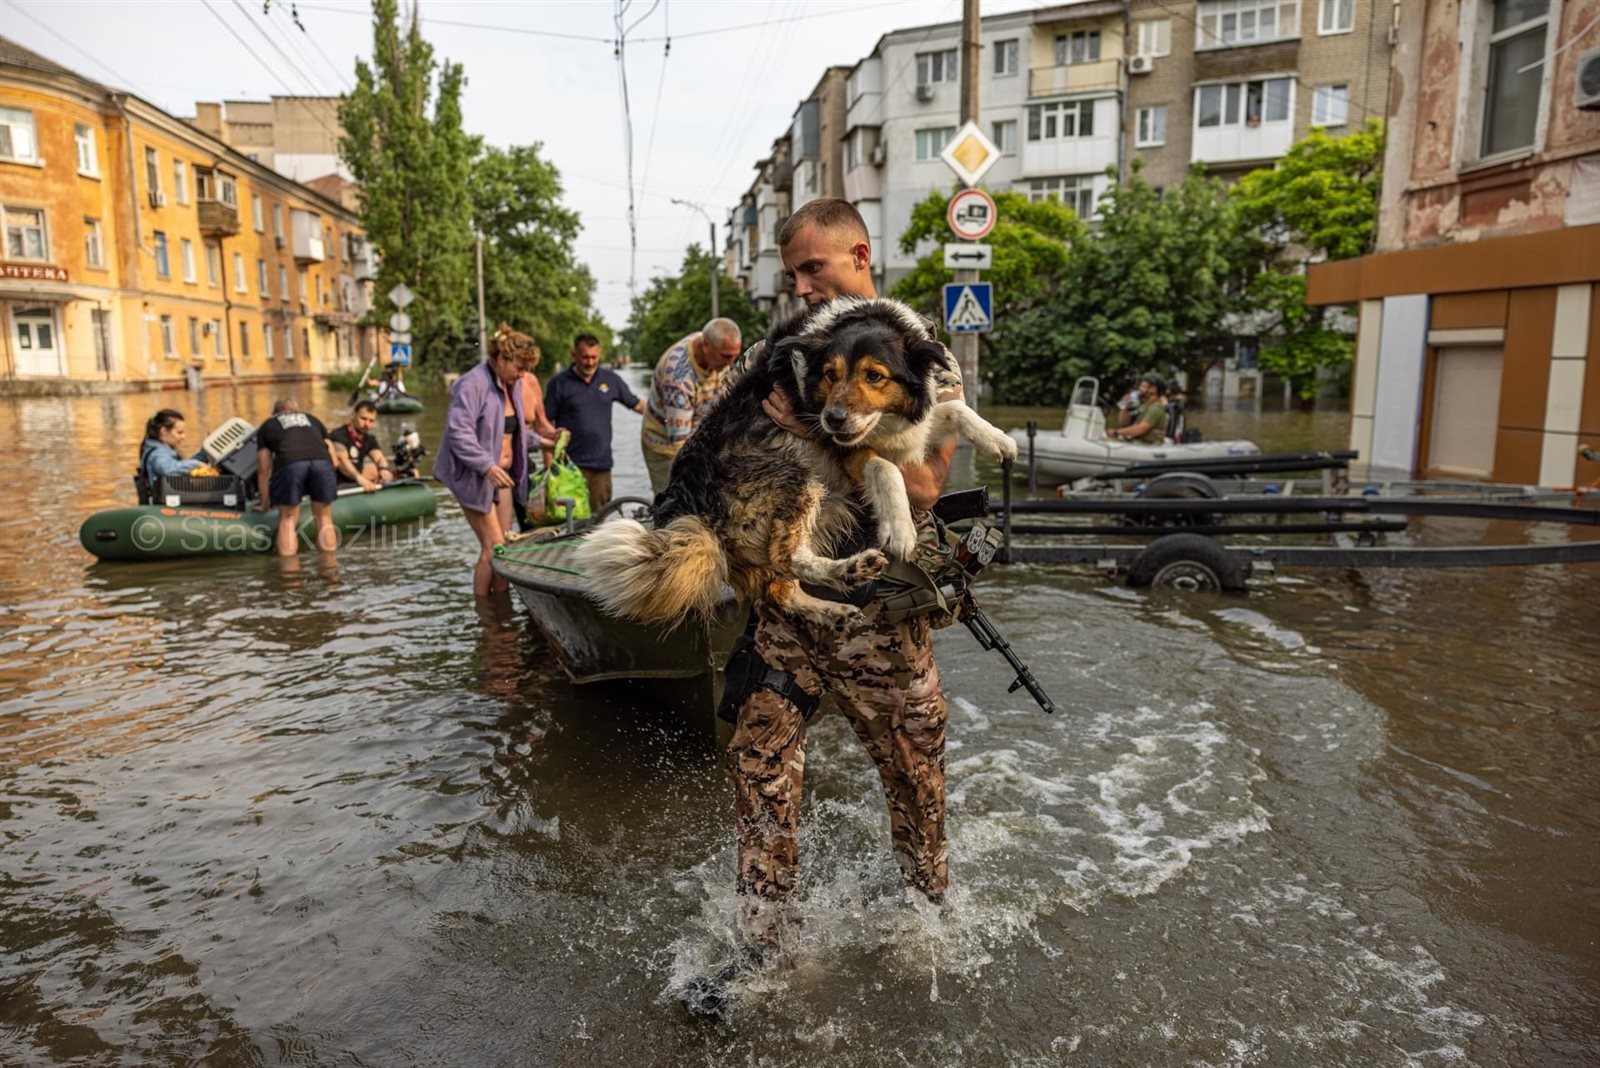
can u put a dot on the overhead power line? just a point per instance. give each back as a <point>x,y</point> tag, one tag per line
<point>367,14</point>
<point>124,82</point>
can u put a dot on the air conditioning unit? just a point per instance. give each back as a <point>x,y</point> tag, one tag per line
<point>1141,64</point>
<point>880,152</point>
<point>1586,87</point>
<point>925,93</point>
<point>158,199</point>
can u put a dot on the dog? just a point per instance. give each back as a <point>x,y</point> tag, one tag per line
<point>752,506</point>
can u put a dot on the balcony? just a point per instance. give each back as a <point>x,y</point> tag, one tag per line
<point>306,234</point>
<point>217,219</point>
<point>1074,78</point>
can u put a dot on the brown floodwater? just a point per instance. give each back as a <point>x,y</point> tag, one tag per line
<point>334,813</point>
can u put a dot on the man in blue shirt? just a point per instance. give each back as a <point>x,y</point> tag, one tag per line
<point>579,400</point>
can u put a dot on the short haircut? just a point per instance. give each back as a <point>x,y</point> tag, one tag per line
<point>364,406</point>
<point>285,404</point>
<point>830,213</point>
<point>719,332</point>
<point>584,339</point>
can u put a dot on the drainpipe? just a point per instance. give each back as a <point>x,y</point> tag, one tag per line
<point>1122,96</point>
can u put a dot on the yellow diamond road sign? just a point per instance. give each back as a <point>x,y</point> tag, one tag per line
<point>970,154</point>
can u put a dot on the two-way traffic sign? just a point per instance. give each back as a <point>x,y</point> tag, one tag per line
<point>963,257</point>
<point>969,307</point>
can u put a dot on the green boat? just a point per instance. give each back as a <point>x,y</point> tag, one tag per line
<point>593,647</point>
<point>398,404</point>
<point>156,532</point>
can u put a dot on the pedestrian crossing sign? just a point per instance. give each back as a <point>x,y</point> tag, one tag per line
<point>399,354</point>
<point>969,307</point>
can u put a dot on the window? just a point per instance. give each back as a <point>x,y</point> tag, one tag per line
<point>180,180</point>
<point>244,338</point>
<point>88,158</point>
<point>1152,126</point>
<point>238,274</point>
<point>94,249</point>
<point>283,282</point>
<point>1004,135</point>
<point>228,190</point>
<point>25,236</point>
<point>1336,16</point>
<point>1516,38</point>
<point>1231,22</point>
<point>255,214</point>
<point>261,279</point>
<point>318,280</point>
<point>194,336</point>
<point>1250,103</point>
<point>1080,46</point>
<point>163,264</point>
<point>305,343</point>
<point>1005,58</point>
<point>17,142</point>
<point>169,344</point>
<point>931,142</point>
<point>213,265</point>
<point>1063,118</point>
<point>300,283</point>
<point>152,173</point>
<point>1076,191</point>
<point>216,339</point>
<point>186,253</point>
<point>1330,105</point>
<point>277,221</point>
<point>266,340</point>
<point>1153,37</point>
<point>936,66</point>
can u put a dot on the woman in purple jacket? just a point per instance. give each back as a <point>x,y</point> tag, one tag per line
<point>483,456</point>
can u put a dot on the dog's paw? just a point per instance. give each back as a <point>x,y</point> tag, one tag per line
<point>829,613</point>
<point>998,446</point>
<point>865,567</point>
<point>899,540</point>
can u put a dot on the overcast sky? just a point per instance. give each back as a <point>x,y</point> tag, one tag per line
<point>736,72</point>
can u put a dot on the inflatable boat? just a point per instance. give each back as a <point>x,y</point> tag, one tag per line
<point>1080,449</point>
<point>398,404</point>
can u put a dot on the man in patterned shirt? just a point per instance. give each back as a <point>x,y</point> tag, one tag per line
<point>687,377</point>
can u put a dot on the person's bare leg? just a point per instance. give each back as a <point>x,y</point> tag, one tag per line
<point>327,537</point>
<point>288,537</point>
<point>486,525</point>
<point>506,515</point>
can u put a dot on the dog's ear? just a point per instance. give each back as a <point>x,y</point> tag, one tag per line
<point>789,363</point>
<point>927,355</point>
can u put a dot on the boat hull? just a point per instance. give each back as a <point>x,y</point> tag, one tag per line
<point>399,406</point>
<point>152,532</point>
<point>1062,456</point>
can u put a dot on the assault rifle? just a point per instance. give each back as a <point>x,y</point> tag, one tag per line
<point>990,639</point>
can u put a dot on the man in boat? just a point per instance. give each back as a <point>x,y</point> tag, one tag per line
<point>881,673</point>
<point>686,380</point>
<point>294,460</point>
<point>1150,425</point>
<point>578,400</point>
<point>358,459</point>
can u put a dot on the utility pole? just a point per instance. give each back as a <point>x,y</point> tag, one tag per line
<point>966,345</point>
<point>483,333</point>
<point>715,312</point>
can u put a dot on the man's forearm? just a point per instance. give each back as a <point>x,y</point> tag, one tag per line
<point>925,481</point>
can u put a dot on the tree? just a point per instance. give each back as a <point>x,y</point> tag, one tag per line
<point>672,307</point>
<point>1320,202</point>
<point>531,277</point>
<point>413,168</point>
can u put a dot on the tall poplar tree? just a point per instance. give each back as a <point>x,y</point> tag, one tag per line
<point>405,147</point>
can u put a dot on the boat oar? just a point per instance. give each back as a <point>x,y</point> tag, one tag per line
<point>356,393</point>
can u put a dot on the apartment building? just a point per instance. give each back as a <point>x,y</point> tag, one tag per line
<point>1478,348</point>
<point>297,136</point>
<point>1070,93</point>
<point>138,247</point>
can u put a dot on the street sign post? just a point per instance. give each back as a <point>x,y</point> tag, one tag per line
<point>399,354</point>
<point>971,214</point>
<point>969,257</point>
<point>969,307</point>
<point>400,322</point>
<point>401,295</point>
<point>970,154</point>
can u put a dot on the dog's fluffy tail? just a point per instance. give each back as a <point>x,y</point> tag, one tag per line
<point>654,576</point>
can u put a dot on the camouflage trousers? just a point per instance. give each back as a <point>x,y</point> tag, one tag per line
<point>883,678</point>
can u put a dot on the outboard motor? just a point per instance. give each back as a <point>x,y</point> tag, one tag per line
<point>408,449</point>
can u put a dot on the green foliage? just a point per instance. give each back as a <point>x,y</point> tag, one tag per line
<point>413,167</point>
<point>531,276</point>
<point>674,306</point>
<point>1319,203</point>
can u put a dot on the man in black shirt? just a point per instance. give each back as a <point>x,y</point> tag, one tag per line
<point>357,457</point>
<point>294,460</point>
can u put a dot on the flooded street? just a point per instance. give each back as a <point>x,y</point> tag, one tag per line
<point>332,812</point>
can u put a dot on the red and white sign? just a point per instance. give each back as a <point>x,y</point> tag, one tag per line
<point>971,214</point>
<point>29,273</point>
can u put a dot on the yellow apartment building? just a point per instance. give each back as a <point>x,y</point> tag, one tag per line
<point>139,250</point>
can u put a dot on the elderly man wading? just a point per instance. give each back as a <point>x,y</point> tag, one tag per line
<point>686,380</point>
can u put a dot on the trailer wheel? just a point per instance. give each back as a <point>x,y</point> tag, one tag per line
<point>625,507</point>
<point>1177,486</point>
<point>1193,563</point>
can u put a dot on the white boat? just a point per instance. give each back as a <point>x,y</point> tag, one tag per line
<point>1080,449</point>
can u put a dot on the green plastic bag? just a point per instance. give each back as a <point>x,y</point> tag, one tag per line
<point>562,479</point>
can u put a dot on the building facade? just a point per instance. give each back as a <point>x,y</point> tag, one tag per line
<point>139,248</point>
<point>1478,350</point>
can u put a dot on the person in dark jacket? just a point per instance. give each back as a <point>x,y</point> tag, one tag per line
<point>158,453</point>
<point>294,460</point>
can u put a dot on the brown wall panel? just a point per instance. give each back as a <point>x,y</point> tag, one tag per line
<point>1525,374</point>
<point>1467,311</point>
<point>1516,455</point>
<point>1589,416</point>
